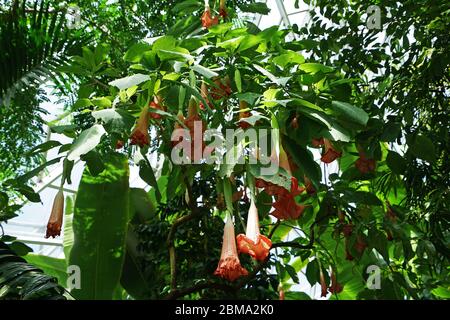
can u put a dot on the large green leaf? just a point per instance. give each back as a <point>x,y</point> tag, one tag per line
<point>100,225</point>
<point>86,142</point>
<point>350,113</point>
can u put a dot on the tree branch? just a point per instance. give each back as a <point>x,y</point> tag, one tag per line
<point>171,236</point>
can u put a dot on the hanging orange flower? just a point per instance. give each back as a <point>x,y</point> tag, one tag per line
<point>335,286</point>
<point>222,88</point>
<point>207,20</point>
<point>281,293</point>
<point>229,265</point>
<point>252,242</point>
<point>285,205</point>
<point>119,144</point>
<point>364,164</point>
<point>244,113</point>
<point>156,104</point>
<point>317,142</point>
<point>331,153</point>
<point>56,217</point>
<point>222,9</point>
<point>196,128</point>
<point>323,284</point>
<point>205,95</point>
<point>294,122</point>
<point>140,135</point>
<point>309,186</point>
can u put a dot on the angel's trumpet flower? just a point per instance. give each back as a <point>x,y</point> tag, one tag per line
<point>140,135</point>
<point>229,265</point>
<point>56,217</point>
<point>253,243</point>
<point>330,153</point>
<point>207,20</point>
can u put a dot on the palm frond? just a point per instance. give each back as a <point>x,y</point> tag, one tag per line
<point>35,43</point>
<point>20,280</point>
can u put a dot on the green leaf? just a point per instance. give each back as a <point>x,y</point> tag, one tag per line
<point>146,173</point>
<point>350,113</point>
<point>51,266</point>
<point>290,57</point>
<point>100,225</point>
<point>314,68</point>
<point>292,273</point>
<point>206,72</point>
<point>94,162</point>
<point>377,240</point>
<point>27,176</point>
<point>135,52</point>
<point>279,81</point>
<point>116,120</point>
<point>130,81</point>
<point>312,272</point>
<point>20,248</point>
<point>249,97</point>
<point>396,162</point>
<point>43,147</point>
<point>86,142</point>
<point>296,295</point>
<point>102,102</point>
<point>304,160</point>
<point>423,148</point>
<point>238,80</point>
<point>256,7</point>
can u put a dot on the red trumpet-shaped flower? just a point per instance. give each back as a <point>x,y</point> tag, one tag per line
<point>156,104</point>
<point>331,153</point>
<point>335,286</point>
<point>317,142</point>
<point>207,20</point>
<point>323,284</point>
<point>229,265</point>
<point>285,205</point>
<point>252,242</point>
<point>309,186</point>
<point>140,135</point>
<point>56,217</point>
<point>223,9</point>
<point>364,164</point>
<point>196,128</point>
<point>243,113</point>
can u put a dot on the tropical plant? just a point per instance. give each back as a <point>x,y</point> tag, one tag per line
<point>342,201</point>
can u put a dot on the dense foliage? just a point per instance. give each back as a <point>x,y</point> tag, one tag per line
<point>371,101</point>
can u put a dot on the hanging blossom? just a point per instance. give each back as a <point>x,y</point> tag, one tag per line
<point>335,287</point>
<point>207,20</point>
<point>223,9</point>
<point>220,90</point>
<point>364,164</point>
<point>323,284</point>
<point>330,153</point>
<point>229,265</point>
<point>285,205</point>
<point>56,217</point>
<point>252,242</point>
<point>157,103</point>
<point>243,114</point>
<point>196,128</point>
<point>140,135</point>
